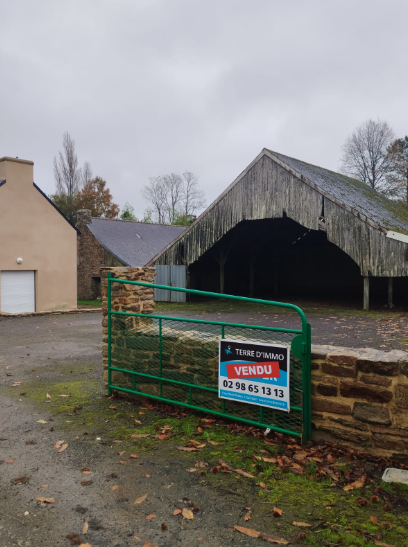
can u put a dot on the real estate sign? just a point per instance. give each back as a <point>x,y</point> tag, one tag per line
<point>254,373</point>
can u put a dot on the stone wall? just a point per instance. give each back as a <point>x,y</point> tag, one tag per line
<point>360,397</point>
<point>91,257</point>
<point>127,298</point>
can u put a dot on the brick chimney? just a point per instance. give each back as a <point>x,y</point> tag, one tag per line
<point>16,171</point>
<point>83,218</point>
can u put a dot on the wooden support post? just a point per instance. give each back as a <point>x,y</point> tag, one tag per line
<point>366,304</point>
<point>390,292</point>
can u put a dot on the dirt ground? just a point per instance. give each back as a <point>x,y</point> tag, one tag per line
<point>52,354</point>
<point>51,395</point>
<point>331,324</point>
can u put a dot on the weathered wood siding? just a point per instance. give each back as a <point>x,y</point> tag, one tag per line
<point>267,190</point>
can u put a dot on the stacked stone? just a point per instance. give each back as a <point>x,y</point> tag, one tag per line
<point>361,397</point>
<point>126,298</point>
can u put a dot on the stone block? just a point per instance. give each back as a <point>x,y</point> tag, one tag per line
<point>372,414</point>
<point>380,362</point>
<point>358,391</point>
<point>400,419</point>
<point>343,356</point>
<point>327,390</point>
<point>346,435</point>
<point>323,405</point>
<point>315,365</point>
<point>320,351</point>
<point>392,474</point>
<point>385,442</point>
<point>404,366</point>
<point>338,370</point>
<point>401,395</point>
<point>349,423</point>
<point>375,380</point>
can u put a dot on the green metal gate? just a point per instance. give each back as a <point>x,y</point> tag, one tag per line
<point>175,360</point>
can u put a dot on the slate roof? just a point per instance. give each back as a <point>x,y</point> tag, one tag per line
<point>387,213</point>
<point>133,243</point>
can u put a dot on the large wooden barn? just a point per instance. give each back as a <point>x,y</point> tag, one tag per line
<point>285,228</point>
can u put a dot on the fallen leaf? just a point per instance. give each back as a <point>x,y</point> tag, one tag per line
<point>191,470</point>
<point>10,461</point>
<point>41,422</point>
<point>59,444</point>
<point>248,515</point>
<point>164,526</point>
<point>200,464</point>
<point>63,447</point>
<point>150,517</point>
<point>361,502</point>
<point>86,483</point>
<point>138,422</point>
<point>149,544</point>
<point>244,473</point>
<point>115,487</point>
<point>85,527</point>
<point>374,499</point>
<point>112,407</point>
<point>20,480</point>
<point>272,539</point>
<point>215,443</point>
<point>86,471</point>
<point>48,396</point>
<point>123,462</point>
<point>15,384</point>
<point>387,507</point>
<point>139,500</point>
<point>262,484</point>
<point>359,483</point>
<point>63,395</point>
<point>46,500</point>
<point>85,545</point>
<point>373,519</point>
<point>247,531</point>
<point>133,456</point>
<point>176,512</point>
<point>120,453</point>
<point>187,448</point>
<point>277,512</point>
<point>187,514</point>
<point>44,486</point>
<point>301,524</point>
<point>140,436</point>
<point>386,525</point>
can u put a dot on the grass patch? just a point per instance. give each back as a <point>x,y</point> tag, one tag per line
<point>333,513</point>
<point>93,303</point>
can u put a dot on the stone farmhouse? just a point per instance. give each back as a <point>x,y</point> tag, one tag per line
<point>109,243</point>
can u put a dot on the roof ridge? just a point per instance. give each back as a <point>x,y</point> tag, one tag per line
<point>141,222</point>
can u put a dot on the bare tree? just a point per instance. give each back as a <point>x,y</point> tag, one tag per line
<point>67,174</point>
<point>174,198</point>
<point>86,173</point>
<point>155,193</point>
<point>365,154</point>
<point>194,199</point>
<point>398,176</point>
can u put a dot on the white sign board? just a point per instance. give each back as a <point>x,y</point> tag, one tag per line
<point>254,373</point>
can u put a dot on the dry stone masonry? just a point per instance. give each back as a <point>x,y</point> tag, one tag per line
<point>359,396</point>
<point>127,298</point>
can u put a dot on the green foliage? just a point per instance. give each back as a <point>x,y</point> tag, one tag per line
<point>67,204</point>
<point>128,212</point>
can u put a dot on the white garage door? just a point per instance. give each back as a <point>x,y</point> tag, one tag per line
<point>17,292</point>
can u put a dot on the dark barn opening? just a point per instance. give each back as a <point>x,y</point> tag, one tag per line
<point>289,230</point>
<point>279,259</point>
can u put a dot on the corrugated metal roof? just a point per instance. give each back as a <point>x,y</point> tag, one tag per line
<point>134,243</point>
<point>359,196</point>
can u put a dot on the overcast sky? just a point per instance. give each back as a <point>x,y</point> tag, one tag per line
<point>147,87</point>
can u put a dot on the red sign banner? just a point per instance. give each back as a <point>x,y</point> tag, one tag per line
<point>257,370</point>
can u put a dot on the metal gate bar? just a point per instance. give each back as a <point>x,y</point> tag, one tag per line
<point>132,335</point>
